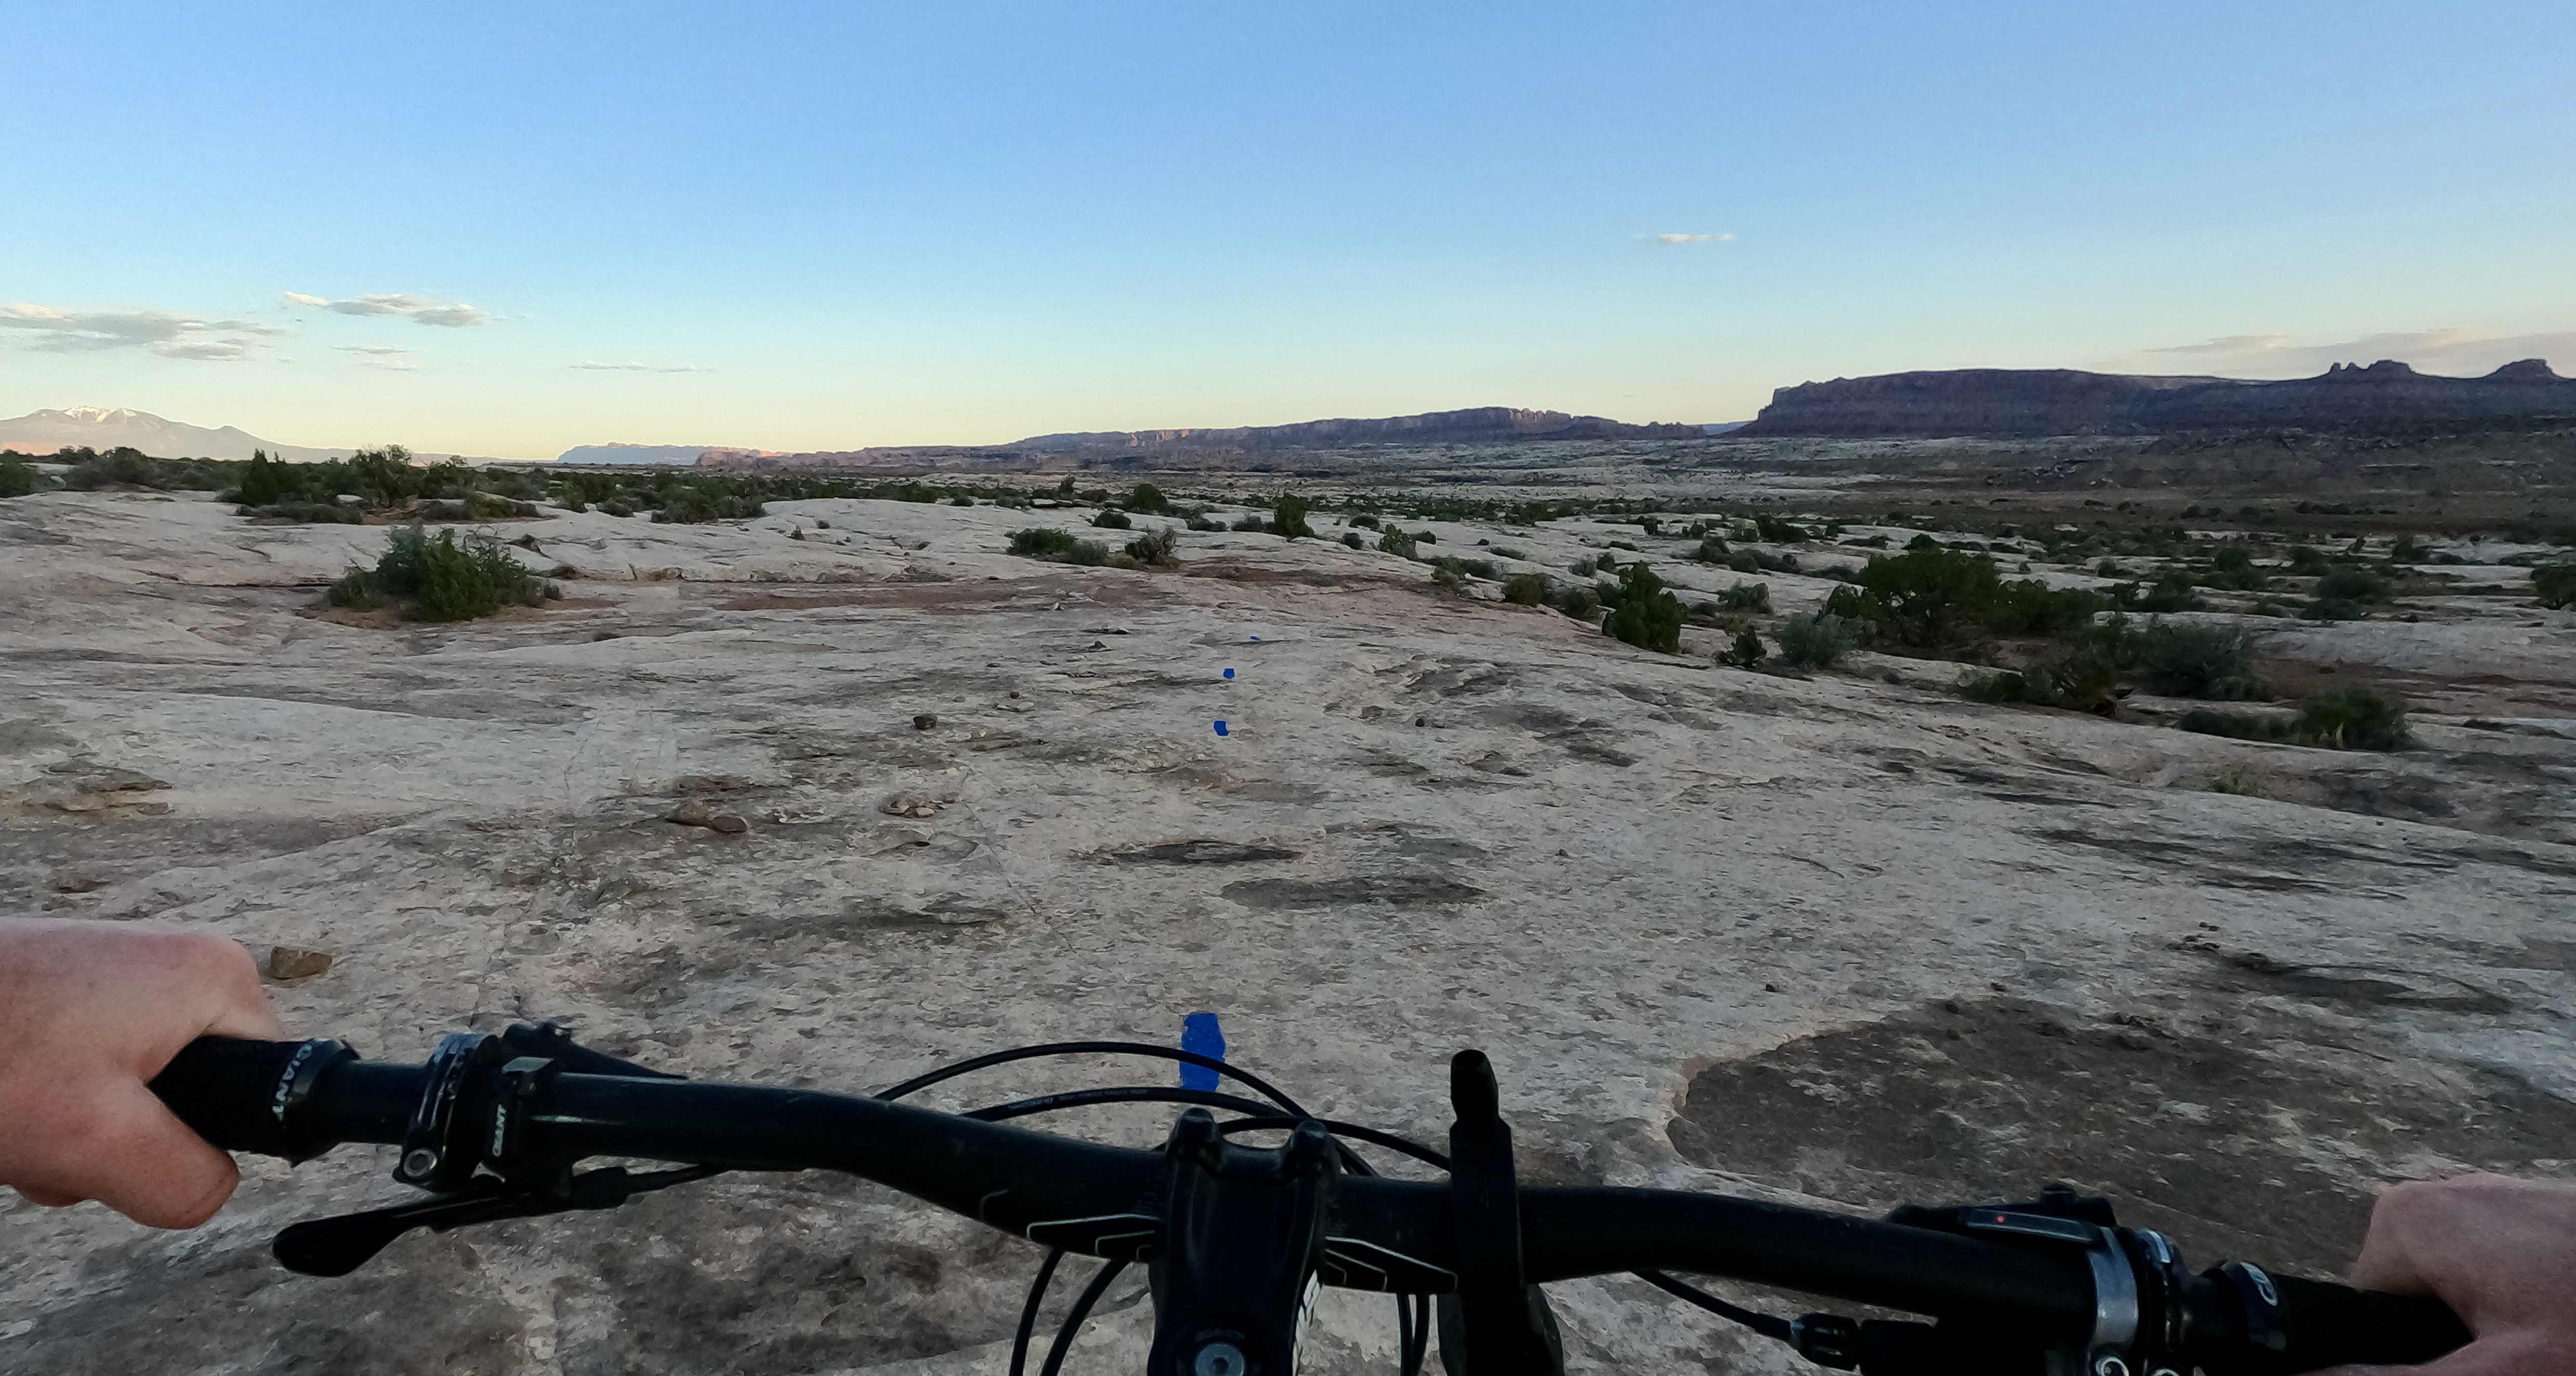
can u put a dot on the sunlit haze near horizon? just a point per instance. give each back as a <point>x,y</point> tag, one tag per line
<point>508,230</point>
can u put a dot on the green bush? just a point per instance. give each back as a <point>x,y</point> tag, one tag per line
<point>1817,642</point>
<point>1252,522</point>
<point>310,513</point>
<point>1112,519</point>
<point>1645,615</point>
<point>961,501</point>
<point>2306,561</point>
<point>2171,593</point>
<point>120,467</point>
<point>1526,589</point>
<point>2232,568</point>
<point>1581,601</point>
<point>1396,542</point>
<point>1148,498</point>
<point>1779,532</point>
<point>1058,546</point>
<point>1507,552</point>
<point>1928,597</point>
<point>2081,673</point>
<point>1712,551</point>
<point>2353,719</point>
<point>1364,522</point>
<point>1746,597</point>
<point>2333,609</point>
<point>438,579</point>
<point>2027,606</point>
<point>2199,661</point>
<point>1288,517</point>
<point>2352,583</point>
<point>1352,539</point>
<point>2554,585</point>
<point>1155,549</point>
<point>1582,568</point>
<point>694,507</point>
<point>1745,652</point>
<point>1448,573</point>
<point>19,479</point>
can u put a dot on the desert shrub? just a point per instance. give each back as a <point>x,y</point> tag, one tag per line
<point>1779,532</point>
<point>1288,517</point>
<point>1622,544</point>
<point>1058,546</point>
<point>1582,568</point>
<point>1155,549</point>
<point>2352,583</point>
<point>1251,521</point>
<point>19,479</point>
<point>2306,561</point>
<point>1928,597</point>
<point>2555,585</point>
<point>1365,522</point>
<point>1205,523</point>
<point>2081,672</point>
<point>1507,552</point>
<point>439,579</point>
<point>693,507</point>
<point>2172,593</point>
<point>961,501</point>
<point>2352,719</point>
<point>2241,780</point>
<point>1352,539</point>
<point>1711,551</point>
<point>1745,651</point>
<point>1645,615</point>
<point>2232,568</point>
<point>1448,573</point>
<point>2027,606</point>
<point>1427,537</point>
<point>487,506</point>
<point>1396,542</point>
<point>119,467</point>
<point>1817,642</point>
<point>616,508</point>
<point>1476,568</point>
<point>1746,597</point>
<point>1065,488</point>
<point>2333,609</point>
<point>311,513</point>
<point>1605,562</point>
<point>1112,519</point>
<point>1148,498</point>
<point>2199,661</point>
<point>1581,601</point>
<point>1526,589</point>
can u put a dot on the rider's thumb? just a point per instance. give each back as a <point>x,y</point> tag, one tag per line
<point>144,1163</point>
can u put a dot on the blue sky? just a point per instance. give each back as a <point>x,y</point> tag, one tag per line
<point>510,229</point>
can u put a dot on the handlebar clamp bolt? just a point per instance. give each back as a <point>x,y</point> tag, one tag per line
<point>2109,1364</point>
<point>1219,1359</point>
<point>419,1163</point>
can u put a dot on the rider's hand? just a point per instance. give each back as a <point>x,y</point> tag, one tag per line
<point>2500,1252</point>
<point>90,1011</point>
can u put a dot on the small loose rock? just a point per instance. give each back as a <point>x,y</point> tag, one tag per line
<point>75,883</point>
<point>925,722</point>
<point>290,963</point>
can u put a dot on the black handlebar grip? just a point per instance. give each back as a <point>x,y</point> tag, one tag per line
<point>2328,1325</point>
<point>247,1095</point>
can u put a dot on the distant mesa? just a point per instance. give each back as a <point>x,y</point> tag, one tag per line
<point>2008,402</point>
<point>614,453</point>
<point>103,428</point>
<point>1135,448</point>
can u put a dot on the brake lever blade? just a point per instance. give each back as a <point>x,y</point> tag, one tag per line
<point>338,1246</point>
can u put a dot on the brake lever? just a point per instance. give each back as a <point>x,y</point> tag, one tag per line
<point>338,1246</point>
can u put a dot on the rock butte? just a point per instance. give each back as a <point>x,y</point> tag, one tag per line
<point>1831,939</point>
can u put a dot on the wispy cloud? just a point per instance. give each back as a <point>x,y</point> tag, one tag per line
<point>452,314</point>
<point>170,334</point>
<point>384,356</point>
<point>2457,351</point>
<point>640,368</point>
<point>1690,238</point>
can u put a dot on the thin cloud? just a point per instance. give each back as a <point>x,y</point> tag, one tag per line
<point>452,314</point>
<point>1691,238</point>
<point>2457,351</point>
<point>372,350</point>
<point>639,368</point>
<point>169,334</point>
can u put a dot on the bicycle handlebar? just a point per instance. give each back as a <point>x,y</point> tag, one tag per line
<point>474,1099</point>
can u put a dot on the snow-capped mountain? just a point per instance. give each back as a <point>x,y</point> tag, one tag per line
<point>103,428</point>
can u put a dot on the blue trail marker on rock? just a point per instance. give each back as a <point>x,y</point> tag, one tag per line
<point>1229,673</point>
<point>1220,728</point>
<point>1200,1034</point>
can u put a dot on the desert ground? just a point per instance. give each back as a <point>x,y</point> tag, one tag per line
<point>1836,937</point>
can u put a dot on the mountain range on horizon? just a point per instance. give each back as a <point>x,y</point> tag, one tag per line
<point>110,427</point>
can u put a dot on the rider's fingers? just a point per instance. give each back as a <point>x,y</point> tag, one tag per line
<point>122,1148</point>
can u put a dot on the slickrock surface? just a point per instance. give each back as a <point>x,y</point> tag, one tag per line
<point>1834,940</point>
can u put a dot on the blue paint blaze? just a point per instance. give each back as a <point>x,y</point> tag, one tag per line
<point>1220,728</point>
<point>1200,1034</point>
<point>1229,673</point>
